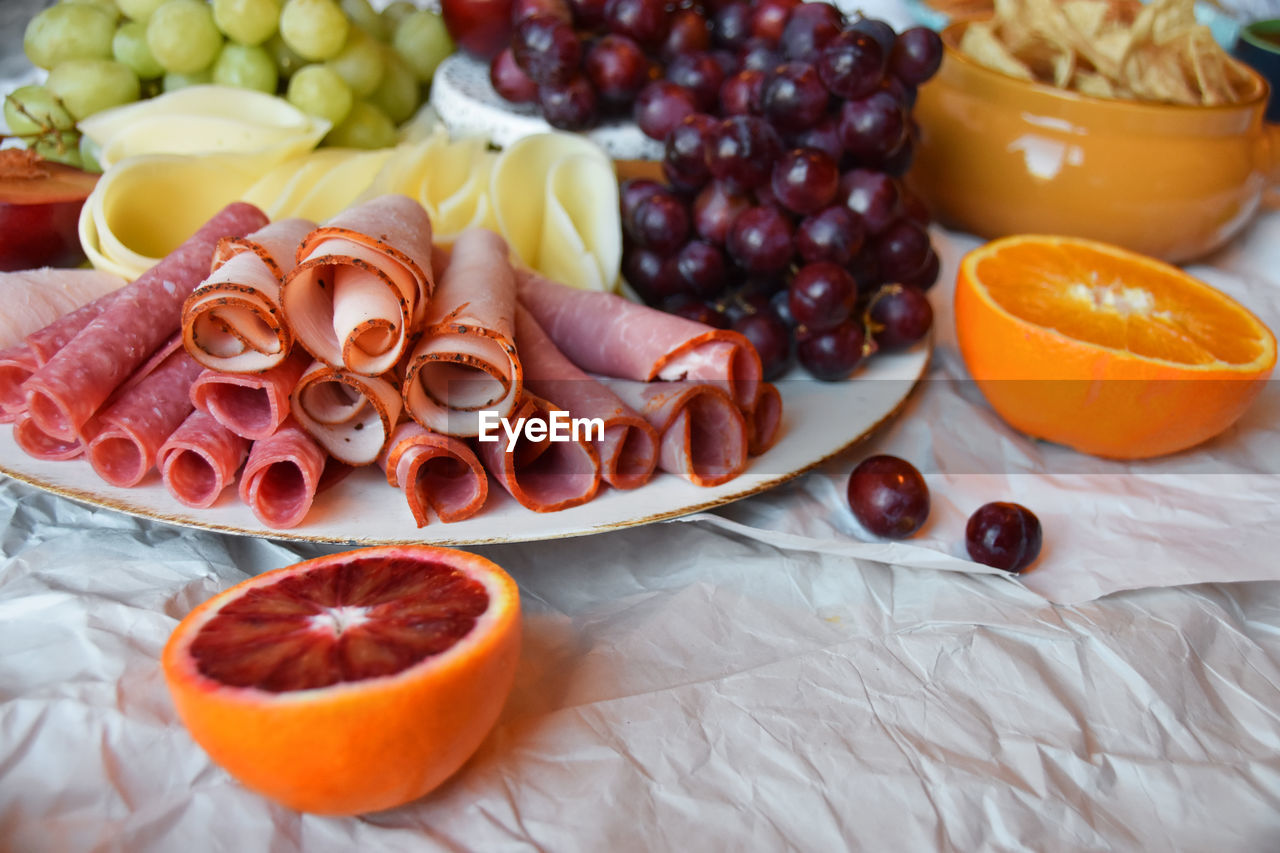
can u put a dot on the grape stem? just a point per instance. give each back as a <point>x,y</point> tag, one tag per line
<point>47,132</point>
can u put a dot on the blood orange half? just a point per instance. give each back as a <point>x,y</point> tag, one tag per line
<point>353,682</point>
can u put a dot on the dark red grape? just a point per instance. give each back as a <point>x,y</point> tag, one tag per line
<point>659,107</point>
<point>832,354</point>
<point>873,195</point>
<point>740,94</point>
<point>569,106</point>
<point>902,249</point>
<point>521,9</point>
<point>780,302</point>
<point>701,269</point>
<point>913,206</point>
<point>925,277</point>
<point>651,274</point>
<point>888,496</point>
<point>916,55</point>
<point>684,160</point>
<point>822,296</point>
<point>897,162</point>
<point>805,180</point>
<point>903,92</point>
<point>480,27</point>
<point>872,126</point>
<point>879,30</point>
<point>547,49</point>
<point>808,29</point>
<point>865,269</point>
<point>759,55</point>
<point>688,33</point>
<point>760,240</point>
<point>646,21</point>
<point>587,14</point>
<point>899,316</point>
<point>771,337</point>
<point>661,223</point>
<point>770,18</point>
<point>743,151</point>
<point>510,81</point>
<point>699,312</point>
<point>833,234</point>
<point>701,74</point>
<point>1003,535</point>
<point>824,136</point>
<point>618,68</point>
<point>726,59</point>
<point>794,97</point>
<point>851,65</point>
<point>715,209</point>
<point>633,191</point>
<point>732,25</point>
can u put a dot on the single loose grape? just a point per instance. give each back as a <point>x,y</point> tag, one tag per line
<point>316,29</point>
<point>318,90</point>
<point>31,110</point>
<point>422,42</point>
<point>88,86</point>
<point>888,496</point>
<point>248,22</point>
<point>360,63</point>
<point>183,37</point>
<point>1003,535</point>
<point>397,93</point>
<point>130,47</point>
<point>365,126</point>
<point>68,31</point>
<point>246,67</point>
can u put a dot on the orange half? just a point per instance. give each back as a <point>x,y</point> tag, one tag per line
<point>1107,351</point>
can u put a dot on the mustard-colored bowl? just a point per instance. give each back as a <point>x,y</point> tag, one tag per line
<point>999,156</point>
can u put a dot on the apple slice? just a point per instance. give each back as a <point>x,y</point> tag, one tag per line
<point>40,205</point>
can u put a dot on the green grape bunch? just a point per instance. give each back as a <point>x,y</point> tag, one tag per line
<point>363,70</point>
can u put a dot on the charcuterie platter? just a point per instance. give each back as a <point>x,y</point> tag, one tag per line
<point>821,420</point>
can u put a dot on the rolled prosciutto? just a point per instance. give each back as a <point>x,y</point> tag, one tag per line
<point>764,420</point>
<point>33,299</point>
<point>282,476</point>
<point>605,334</point>
<point>544,476</point>
<point>704,436</point>
<point>129,432</point>
<point>436,472</point>
<point>251,405</point>
<point>360,290</point>
<point>200,459</point>
<point>232,322</point>
<point>64,394</point>
<point>629,448</point>
<point>349,415</point>
<point>466,360</point>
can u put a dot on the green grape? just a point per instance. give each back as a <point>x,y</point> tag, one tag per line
<point>31,110</point>
<point>88,86</point>
<point>364,17</point>
<point>247,21</point>
<point>365,126</point>
<point>316,29</point>
<point>395,12</point>
<point>130,47</point>
<point>183,37</point>
<point>173,82</point>
<point>319,91</point>
<point>360,63</point>
<point>63,147</point>
<point>422,42</point>
<point>68,31</point>
<point>89,155</point>
<point>139,10</point>
<point>246,67</point>
<point>108,6</point>
<point>397,94</point>
<point>286,59</point>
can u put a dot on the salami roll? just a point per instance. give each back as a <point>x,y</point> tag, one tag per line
<point>33,299</point>
<point>629,449</point>
<point>34,442</point>
<point>361,287</point>
<point>704,436</point>
<point>129,432</point>
<point>436,472</point>
<point>605,334</point>
<point>764,420</point>
<point>251,405</point>
<point>349,415</point>
<point>18,362</point>
<point>466,360</point>
<point>232,321</point>
<point>200,459</point>
<point>282,476</point>
<point>64,394</point>
<point>544,476</point>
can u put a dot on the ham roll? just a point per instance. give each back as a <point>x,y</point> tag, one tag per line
<point>349,415</point>
<point>33,299</point>
<point>65,393</point>
<point>436,472</point>
<point>544,476</point>
<point>232,322</point>
<point>282,476</point>
<point>361,287</point>
<point>18,362</point>
<point>129,432</point>
<point>629,449</point>
<point>251,405</point>
<point>764,420</point>
<point>200,459</point>
<point>605,334</point>
<point>466,360</point>
<point>704,436</point>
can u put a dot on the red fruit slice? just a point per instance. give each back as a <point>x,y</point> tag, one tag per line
<point>40,206</point>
